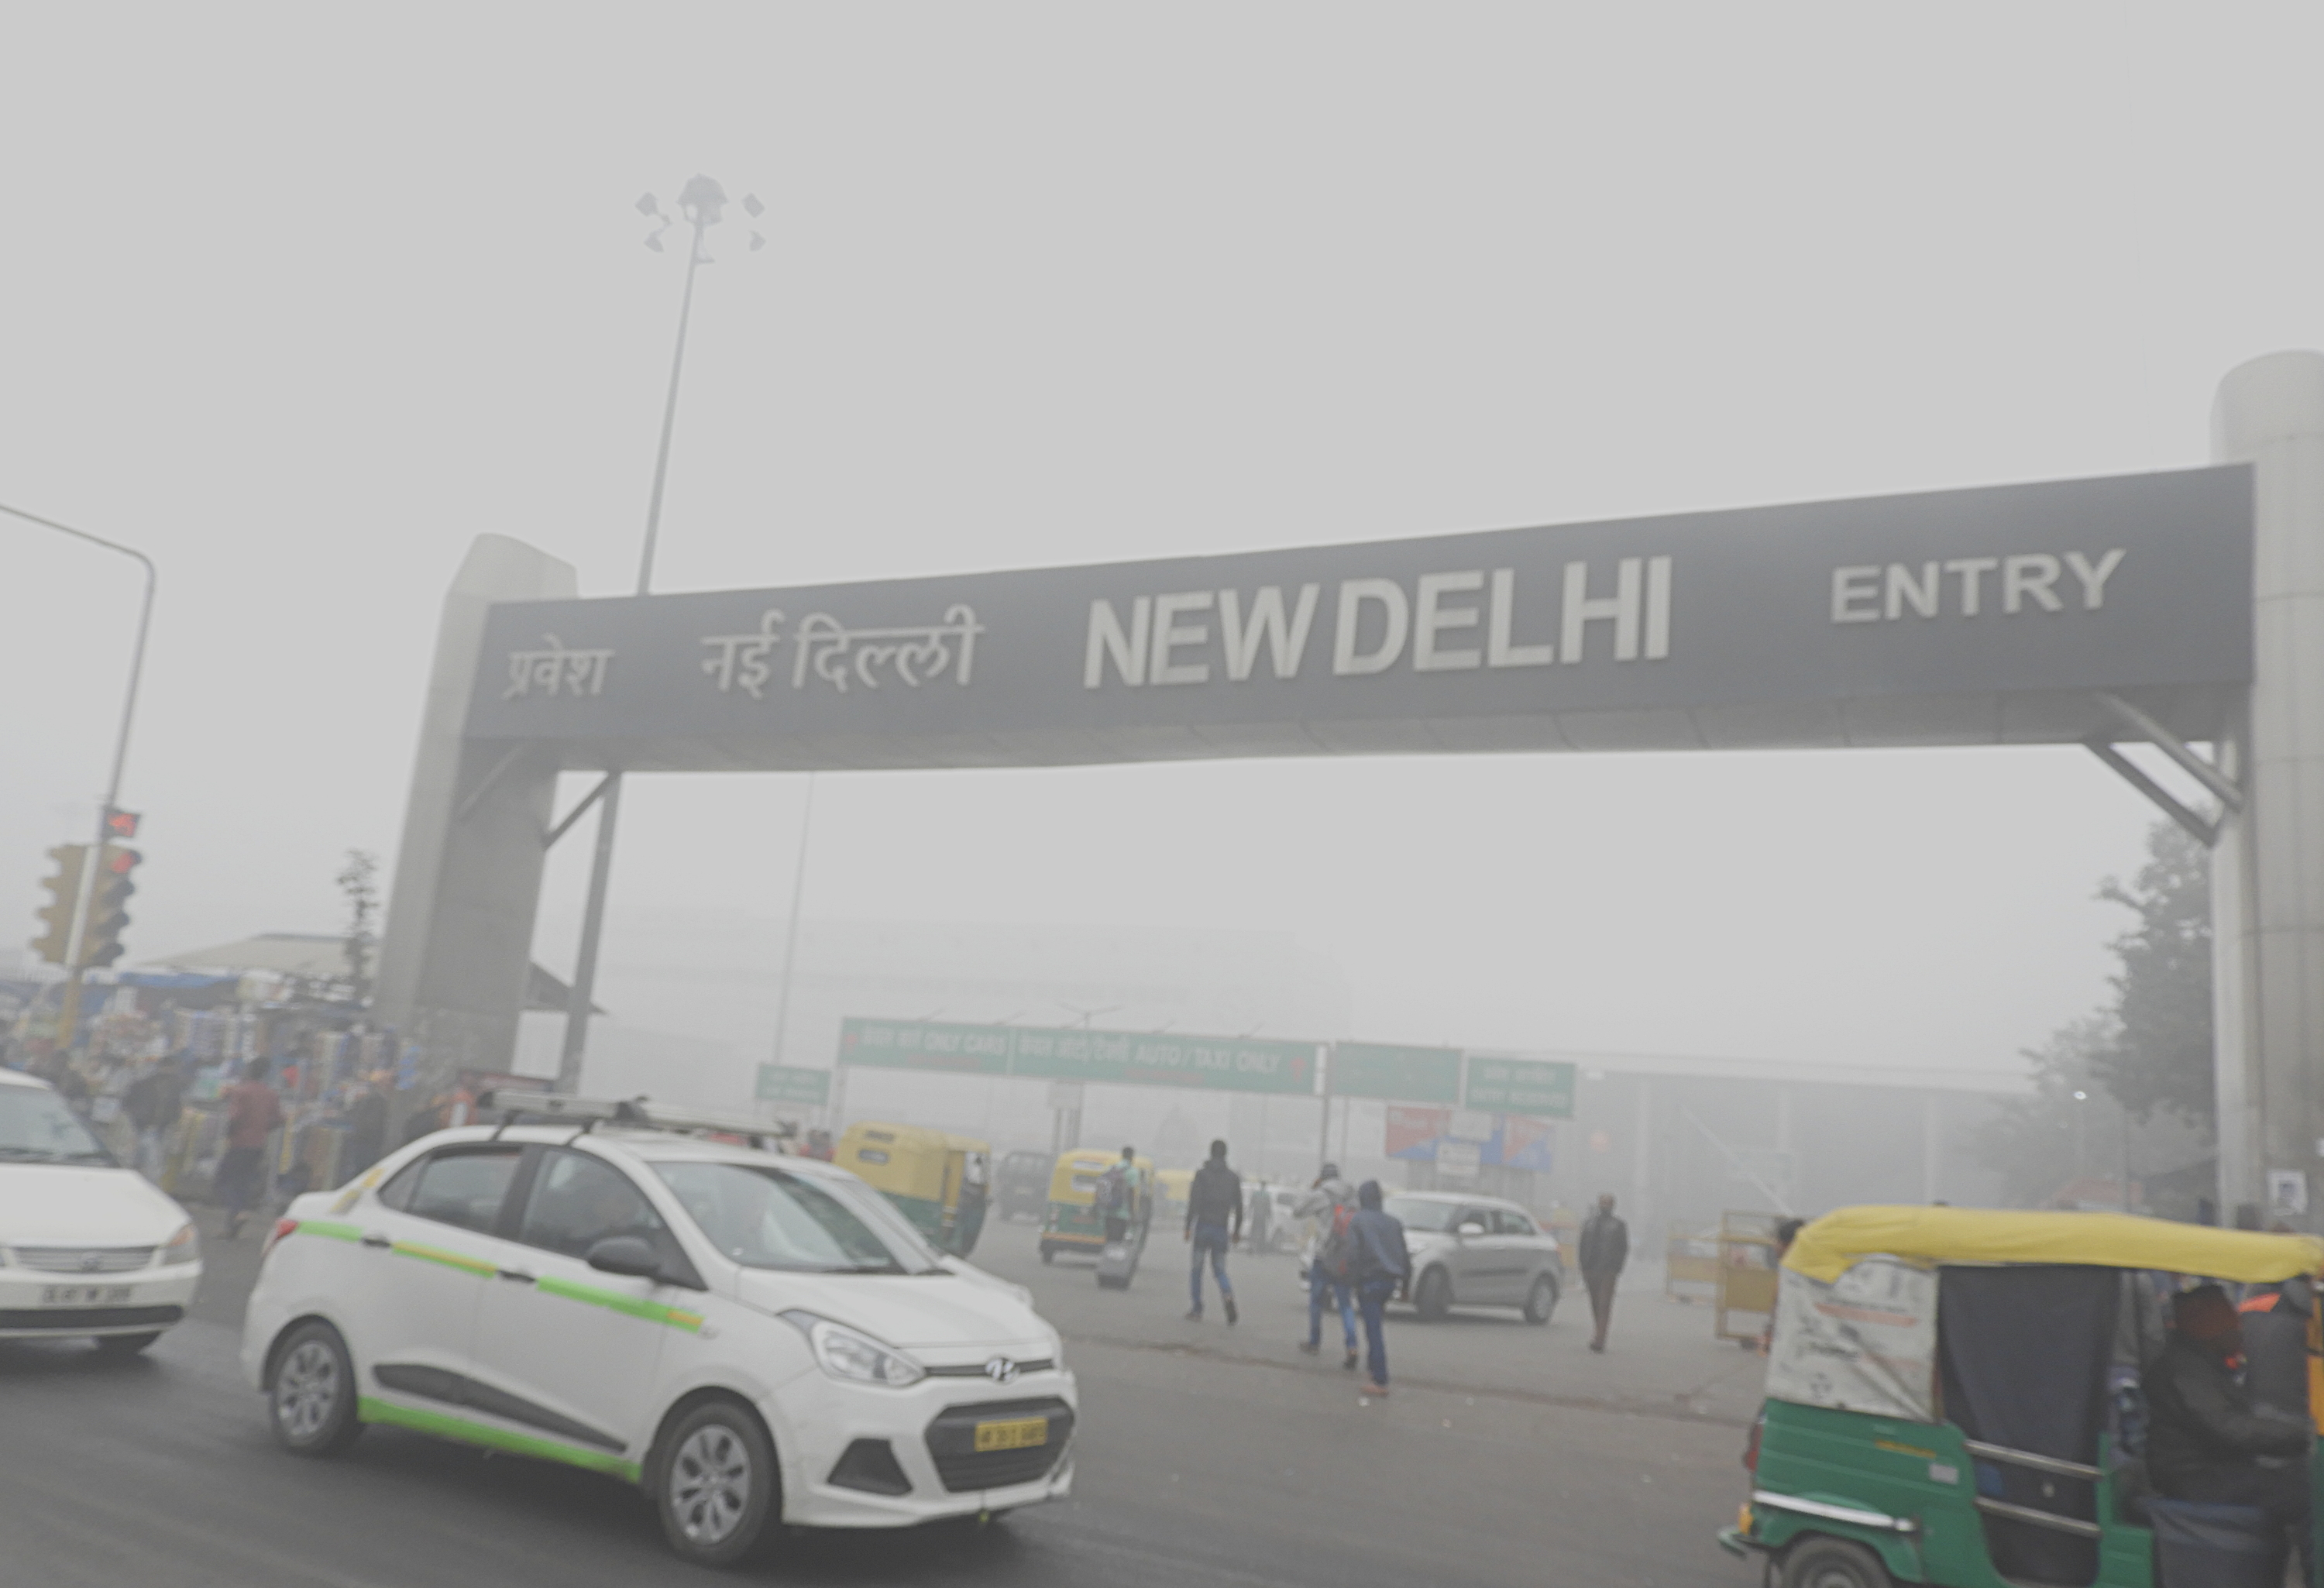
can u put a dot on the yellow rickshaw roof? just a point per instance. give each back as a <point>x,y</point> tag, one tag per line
<point>1931,1235</point>
<point>900,1135</point>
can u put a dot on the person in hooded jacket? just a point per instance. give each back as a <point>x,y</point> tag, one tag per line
<point>1382,1264</point>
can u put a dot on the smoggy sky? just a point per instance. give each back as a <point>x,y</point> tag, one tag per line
<point>300,300</point>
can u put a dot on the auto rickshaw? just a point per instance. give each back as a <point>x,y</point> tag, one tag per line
<point>1953,1397</point>
<point>941,1182</point>
<point>1073,1222</point>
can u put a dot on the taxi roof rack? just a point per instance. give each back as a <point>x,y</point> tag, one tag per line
<point>631,1113</point>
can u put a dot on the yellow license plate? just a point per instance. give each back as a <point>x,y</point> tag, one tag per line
<point>1015,1434</point>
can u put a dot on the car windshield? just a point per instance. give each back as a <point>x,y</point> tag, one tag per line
<point>36,1127</point>
<point>764,1218</point>
<point>1418,1213</point>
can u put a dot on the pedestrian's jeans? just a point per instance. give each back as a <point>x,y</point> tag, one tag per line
<point>241,1175</point>
<point>1320,1284</point>
<point>1212,1239</point>
<point>1371,1300</point>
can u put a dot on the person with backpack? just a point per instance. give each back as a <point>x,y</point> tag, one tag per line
<point>1214,1225</point>
<point>1382,1264</point>
<point>1331,1202</point>
<point>1117,1195</point>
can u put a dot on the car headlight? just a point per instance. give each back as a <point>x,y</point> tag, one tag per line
<point>183,1247</point>
<point>849,1353</point>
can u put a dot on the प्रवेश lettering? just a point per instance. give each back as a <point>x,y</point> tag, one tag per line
<point>1455,621</point>
<point>554,670</point>
<point>2029,582</point>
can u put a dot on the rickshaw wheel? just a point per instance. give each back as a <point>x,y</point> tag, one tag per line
<point>1832,1562</point>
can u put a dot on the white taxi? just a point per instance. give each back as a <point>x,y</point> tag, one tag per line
<point>88,1248</point>
<point>751,1337</point>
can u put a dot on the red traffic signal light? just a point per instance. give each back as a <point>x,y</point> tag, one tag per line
<point>121,824</point>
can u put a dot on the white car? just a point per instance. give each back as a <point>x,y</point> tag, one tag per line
<point>88,1248</point>
<point>751,1337</point>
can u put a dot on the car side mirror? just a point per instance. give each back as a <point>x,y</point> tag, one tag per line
<point>1465,1230</point>
<point>626,1255</point>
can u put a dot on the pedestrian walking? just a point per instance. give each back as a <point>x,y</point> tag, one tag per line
<point>366,1126</point>
<point>1382,1265</point>
<point>1330,1265</point>
<point>1262,1222</point>
<point>154,1102</point>
<point>1213,1223</point>
<point>1117,1195</point>
<point>252,1112</point>
<point>1605,1248</point>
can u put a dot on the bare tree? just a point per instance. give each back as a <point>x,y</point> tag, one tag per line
<point>359,882</point>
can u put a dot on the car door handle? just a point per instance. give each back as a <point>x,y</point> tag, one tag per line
<point>375,1239</point>
<point>518,1275</point>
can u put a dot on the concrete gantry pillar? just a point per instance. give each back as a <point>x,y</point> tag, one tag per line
<point>2267,875</point>
<point>457,947</point>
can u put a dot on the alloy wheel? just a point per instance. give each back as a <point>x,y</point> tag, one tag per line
<point>306,1391</point>
<point>710,1484</point>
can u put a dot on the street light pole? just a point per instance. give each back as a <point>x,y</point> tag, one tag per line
<point>74,966</point>
<point>702,202</point>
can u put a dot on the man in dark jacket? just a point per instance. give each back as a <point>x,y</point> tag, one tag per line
<point>1605,1247</point>
<point>2205,1441</point>
<point>1213,1223</point>
<point>1382,1263</point>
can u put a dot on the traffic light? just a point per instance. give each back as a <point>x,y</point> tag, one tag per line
<point>109,905</point>
<point>121,824</point>
<point>64,891</point>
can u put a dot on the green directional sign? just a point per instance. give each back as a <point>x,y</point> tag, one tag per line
<point>1541,1087</point>
<point>1401,1075</point>
<point>787,1083</point>
<point>1231,1064</point>
<point>1140,1058</point>
<point>925,1045</point>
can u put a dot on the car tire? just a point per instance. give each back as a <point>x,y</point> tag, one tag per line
<point>1433,1298</point>
<point>310,1391</point>
<point>1541,1301</point>
<point>1831,1563</point>
<point>1048,1252</point>
<point>121,1347</point>
<point>714,1484</point>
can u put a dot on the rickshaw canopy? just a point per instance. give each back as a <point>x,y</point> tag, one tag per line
<point>1932,1236</point>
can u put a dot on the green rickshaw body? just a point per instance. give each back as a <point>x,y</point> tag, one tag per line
<point>1917,1473</point>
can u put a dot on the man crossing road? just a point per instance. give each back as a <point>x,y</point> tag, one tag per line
<point>1214,1225</point>
<point>1605,1248</point>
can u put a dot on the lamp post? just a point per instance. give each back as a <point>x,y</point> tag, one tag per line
<point>75,967</point>
<point>701,204</point>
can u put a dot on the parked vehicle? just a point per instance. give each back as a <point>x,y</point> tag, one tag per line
<point>750,1337</point>
<point>88,1247</point>
<point>1020,1183</point>
<point>1947,1397</point>
<point>941,1182</point>
<point>1478,1251</point>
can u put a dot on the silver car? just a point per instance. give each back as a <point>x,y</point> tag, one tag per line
<point>1476,1251</point>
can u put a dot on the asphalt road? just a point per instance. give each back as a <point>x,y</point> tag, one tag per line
<point>1204,1455</point>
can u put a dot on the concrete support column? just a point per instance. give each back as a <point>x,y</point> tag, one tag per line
<point>2267,886</point>
<point>458,939</point>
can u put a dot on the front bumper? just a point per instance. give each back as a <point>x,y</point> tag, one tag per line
<point>817,1419</point>
<point>40,1306</point>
